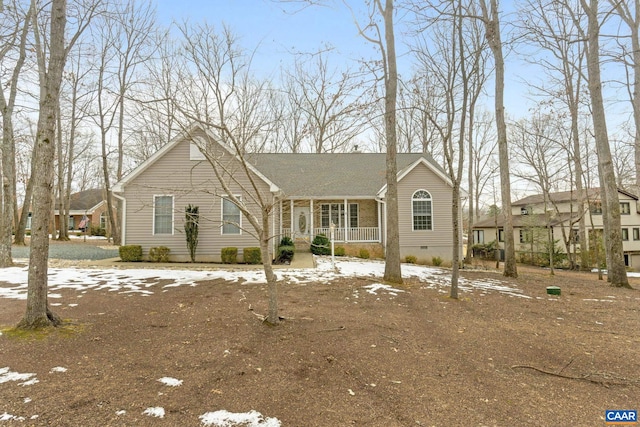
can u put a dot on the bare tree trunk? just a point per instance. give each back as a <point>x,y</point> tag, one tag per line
<point>392,269</point>
<point>63,219</point>
<point>617,273</point>
<point>38,314</point>
<point>8,211</point>
<point>492,25</point>
<point>18,238</point>
<point>272,281</point>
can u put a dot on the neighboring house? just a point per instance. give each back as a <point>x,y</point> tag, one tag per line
<point>532,215</point>
<point>308,193</point>
<point>87,208</point>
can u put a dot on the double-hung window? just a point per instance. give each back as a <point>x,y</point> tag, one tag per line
<point>162,214</point>
<point>422,210</point>
<point>334,213</point>
<point>231,217</point>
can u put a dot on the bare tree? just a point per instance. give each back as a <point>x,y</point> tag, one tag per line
<point>220,95</point>
<point>384,40</point>
<point>551,25</point>
<point>38,314</point>
<point>329,102</point>
<point>491,20</point>
<point>13,36</point>
<point>452,54</point>
<point>617,273</point>
<point>631,17</point>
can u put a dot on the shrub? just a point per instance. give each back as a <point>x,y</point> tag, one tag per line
<point>96,230</point>
<point>364,254</point>
<point>130,253</point>
<point>286,241</point>
<point>191,223</point>
<point>410,259</point>
<point>340,251</point>
<point>229,255</point>
<point>251,255</point>
<point>436,260</point>
<point>159,254</point>
<point>320,245</point>
<point>285,254</point>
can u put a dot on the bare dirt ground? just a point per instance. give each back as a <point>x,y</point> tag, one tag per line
<point>342,357</point>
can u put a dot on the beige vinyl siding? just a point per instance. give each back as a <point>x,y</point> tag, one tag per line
<point>190,182</point>
<point>438,241</point>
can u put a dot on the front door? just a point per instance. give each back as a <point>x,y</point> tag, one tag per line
<point>302,222</point>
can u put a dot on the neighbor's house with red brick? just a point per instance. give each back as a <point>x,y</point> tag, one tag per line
<point>308,193</point>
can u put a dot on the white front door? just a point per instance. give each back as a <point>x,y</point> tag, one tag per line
<point>302,222</point>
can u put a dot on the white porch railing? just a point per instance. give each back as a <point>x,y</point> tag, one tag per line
<point>354,234</point>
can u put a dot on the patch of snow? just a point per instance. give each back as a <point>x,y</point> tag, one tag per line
<point>372,289</point>
<point>32,381</point>
<point>156,411</point>
<point>58,369</point>
<point>121,412</point>
<point>6,375</point>
<point>27,400</point>
<point>171,382</point>
<point>8,417</point>
<point>142,281</point>
<point>229,419</point>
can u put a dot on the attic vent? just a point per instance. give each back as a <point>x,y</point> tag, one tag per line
<point>195,153</point>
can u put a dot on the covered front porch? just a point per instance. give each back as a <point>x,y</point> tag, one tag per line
<point>354,220</point>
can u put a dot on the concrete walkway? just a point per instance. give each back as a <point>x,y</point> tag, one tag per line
<point>300,260</point>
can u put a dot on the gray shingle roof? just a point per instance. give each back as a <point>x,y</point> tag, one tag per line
<point>330,174</point>
<point>87,199</point>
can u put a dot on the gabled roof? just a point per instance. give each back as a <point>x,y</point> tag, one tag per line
<point>187,134</point>
<point>331,175</point>
<point>565,196</point>
<point>309,175</point>
<point>86,201</point>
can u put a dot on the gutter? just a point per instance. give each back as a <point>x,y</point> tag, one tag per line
<point>123,226</point>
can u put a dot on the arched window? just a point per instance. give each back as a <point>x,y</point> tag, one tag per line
<point>421,210</point>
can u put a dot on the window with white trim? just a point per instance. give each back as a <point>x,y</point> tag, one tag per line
<point>231,217</point>
<point>421,209</point>
<point>103,220</point>
<point>162,214</point>
<point>334,213</point>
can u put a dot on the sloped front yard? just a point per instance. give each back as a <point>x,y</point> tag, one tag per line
<point>169,348</point>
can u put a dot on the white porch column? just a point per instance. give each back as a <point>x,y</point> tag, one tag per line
<point>379,221</point>
<point>311,232</point>
<point>291,215</point>
<point>346,221</point>
<point>280,218</point>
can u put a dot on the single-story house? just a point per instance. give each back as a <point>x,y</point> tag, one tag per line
<point>307,193</point>
<point>86,208</point>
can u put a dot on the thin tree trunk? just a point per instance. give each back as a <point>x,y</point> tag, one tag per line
<point>392,268</point>
<point>492,23</point>
<point>26,206</point>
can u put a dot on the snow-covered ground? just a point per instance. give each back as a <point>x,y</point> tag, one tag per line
<point>13,280</point>
<point>143,282</point>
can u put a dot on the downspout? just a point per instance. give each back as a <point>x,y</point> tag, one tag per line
<point>123,226</point>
